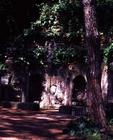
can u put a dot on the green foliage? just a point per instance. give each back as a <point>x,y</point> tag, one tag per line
<point>65,55</point>
<point>2,66</point>
<point>53,22</point>
<point>94,136</point>
<point>69,55</point>
<point>53,18</point>
<point>63,19</point>
<point>107,51</point>
<point>60,55</point>
<point>40,54</point>
<point>104,2</point>
<point>84,127</point>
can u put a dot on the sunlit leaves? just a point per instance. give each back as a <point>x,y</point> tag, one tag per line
<point>40,54</point>
<point>58,18</point>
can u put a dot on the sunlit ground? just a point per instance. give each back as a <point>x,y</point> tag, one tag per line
<point>28,125</point>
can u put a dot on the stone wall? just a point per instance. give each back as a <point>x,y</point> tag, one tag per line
<point>59,87</point>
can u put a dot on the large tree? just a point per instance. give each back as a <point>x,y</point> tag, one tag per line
<point>95,102</point>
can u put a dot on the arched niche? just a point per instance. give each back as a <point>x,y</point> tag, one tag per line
<point>79,85</point>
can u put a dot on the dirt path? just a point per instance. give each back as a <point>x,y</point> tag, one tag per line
<point>24,125</point>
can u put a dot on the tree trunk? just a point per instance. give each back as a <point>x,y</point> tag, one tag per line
<point>95,102</point>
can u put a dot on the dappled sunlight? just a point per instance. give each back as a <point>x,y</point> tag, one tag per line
<point>42,125</point>
<point>46,118</point>
<point>12,138</point>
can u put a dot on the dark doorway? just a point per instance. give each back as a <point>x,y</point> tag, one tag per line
<point>79,85</point>
<point>35,87</point>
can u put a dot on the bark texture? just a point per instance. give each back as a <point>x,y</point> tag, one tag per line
<point>95,102</point>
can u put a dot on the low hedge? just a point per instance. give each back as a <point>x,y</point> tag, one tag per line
<point>65,109</point>
<point>18,105</point>
<point>28,106</point>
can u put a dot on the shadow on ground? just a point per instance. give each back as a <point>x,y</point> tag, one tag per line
<point>28,125</point>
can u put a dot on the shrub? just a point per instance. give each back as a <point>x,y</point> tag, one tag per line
<point>65,109</point>
<point>28,106</point>
<point>84,127</point>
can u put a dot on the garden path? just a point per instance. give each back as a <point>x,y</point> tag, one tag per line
<point>29,125</point>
